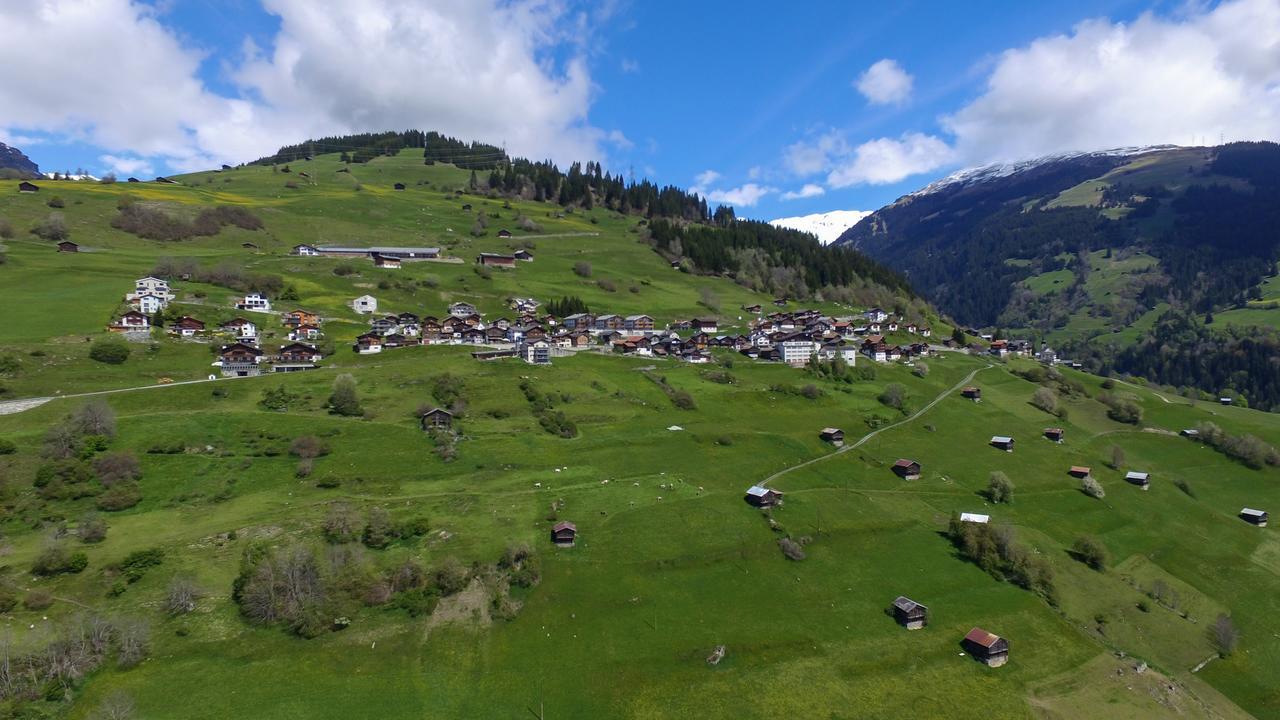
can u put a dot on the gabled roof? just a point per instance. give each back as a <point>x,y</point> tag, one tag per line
<point>1253,513</point>
<point>1079,470</point>
<point>233,347</point>
<point>906,604</point>
<point>905,463</point>
<point>1001,439</point>
<point>564,525</point>
<point>757,491</point>
<point>982,638</point>
<point>1134,475</point>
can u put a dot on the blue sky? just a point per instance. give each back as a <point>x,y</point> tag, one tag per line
<point>815,107</point>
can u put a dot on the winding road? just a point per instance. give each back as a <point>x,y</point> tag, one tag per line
<point>862,441</point>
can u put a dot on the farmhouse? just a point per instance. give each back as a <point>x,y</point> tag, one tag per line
<point>523,255</point>
<point>1140,479</point>
<point>496,260</point>
<point>706,325</point>
<point>1002,442</point>
<point>564,533</point>
<point>1225,400</point>
<point>150,286</point>
<point>1255,517</point>
<point>907,469</point>
<point>909,613</point>
<point>244,330</point>
<point>187,327</point>
<point>26,187</point>
<point>437,418</point>
<point>298,318</point>
<point>150,304</point>
<point>68,247</point>
<point>299,353</point>
<point>762,496</point>
<point>973,393</point>
<point>369,343</point>
<point>835,436</point>
<point>403,253</point>
<point>975,518</point>
<point>987,648</point>
<point>1055,434</point>
<point>240,360</point>
<point>1079,471</point>
<point>365,304</point>
<point>131,321</point>
<point>504,233</point>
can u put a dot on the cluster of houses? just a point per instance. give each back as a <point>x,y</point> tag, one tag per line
<point>795,337</point>
<point>244,356</point>
<point>527,335</point>
<point>149,296</point>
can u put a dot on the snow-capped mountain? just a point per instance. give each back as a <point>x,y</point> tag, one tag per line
<point>827,226</point>
<point>985,173</point>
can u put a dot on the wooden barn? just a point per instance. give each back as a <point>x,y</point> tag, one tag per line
<point>68,246</point>
<point>1141,479</point>
<point>987,648</point>
<point>1002,442</point>
<point>1079,471</point>
<point>496,260</point>
<point>909,613</point>
<point>835,436</point>
<point>564,533</point>
<point>26,187</point>
<point>1254,517</point>
<point>1055,434</point>
<point>907,469</point>
<point>973,393</point>
<point>504,233</point>
<point>762,496</point>
<point>437,418</point>
<point>399,186</point>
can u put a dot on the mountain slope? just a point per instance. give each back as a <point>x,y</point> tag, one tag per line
<point>11,158</point>
<point>827,226</point>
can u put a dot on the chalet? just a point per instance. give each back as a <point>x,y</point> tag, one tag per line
<point>299,353</point>
<point>150,304</point>
<point>166,181</point>
<point>780,302</point>
<point>876,315</point>
<point>579,339</point>
<point>987,648</point>
<point>26,187</point>
<point>523,255</point>
<point>495,334</point>
<point>131,321</point>
<point>305,332</point>
<point>1002,442</point>
<point>892,326</point>
<point>633,345</point>
<point>368,343</point>
<point>150,286</point>
<point>187,327</point>
<point>1079,471</point>
<point>241,328</point>
<point>1055,434</point>
<point>874,327</point>
<point>396,339</point>
<point>1141,479</point>
<point>496,260</point>
<point>608,322</point>
<point>911,328</point>
<point>564,534</point>
<point>1254,517</point>
<point>579,321</point>
<point>907,469</point>
<point>384,325</point>
<point>762,496</point>
<point>707,325</point>
<point>473,336</point>
<point>1225,401</point>
<point>999,348</point>
<point>909,613</point>
<point>975,518</point>
<point>68,247</point>
<point>536,353</point>
<point>305,250</point>
<point>835,436</point>
<point>254,302</point>
<point>437,418</point>
<point>638,323</point>
<point>1047,355</point>
<point>386,262</point>
<point>297,318</point>
<point>462,309</point>
<point>751,308</point>
<point>466,207</point>
<point>532,332</point>
<point>504,233</point>
<point>972,393</point>
<point>239,360</point>
<point>365,304</point>
<point>925,332</point>
<point>398,186</point>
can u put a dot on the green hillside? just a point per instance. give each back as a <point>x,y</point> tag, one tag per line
<point>435,609</point>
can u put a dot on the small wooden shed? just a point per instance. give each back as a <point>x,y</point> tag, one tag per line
<point>1254,517</point>
<point>437,418</point>
<point>1140,479</point>
<point>762,496</point>
<point>971,392</point>
<point>909,613</point>
<point>986,647</point>
<point>1002,442</point>
<point>1055,434</point>
<point>1079,471</point>
<point>399,186</point>
<point>834,436</point>
<point>907,469</point>
<point>564,533</point>
<point>68,247</point>
<point>26,187</point>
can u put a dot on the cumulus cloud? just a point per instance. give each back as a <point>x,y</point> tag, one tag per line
<point>809,190</point>
<point>885,83</point>
<point>127,83</point>
<point>127,165</point>
<point>705,178</point>
<point>1191,78</point>
<point>745,195</point>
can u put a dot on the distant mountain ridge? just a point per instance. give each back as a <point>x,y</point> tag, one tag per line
<point>825,226</point>
<point>13,159</point>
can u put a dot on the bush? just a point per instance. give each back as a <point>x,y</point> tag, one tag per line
<point>92,529</point>
<point>1046,400</point>
<point>582,269</point>
<point>450,577</point>
<point>1117,457</point>
<point>607,285</point>
<point>791,549</point>
<point>308,447</point>
<point>37,600</point>
<point>341,524</point>
<point>55,559</point>
<point>180,598</point>
<point>344,269</point>
<point>1223,636</point>
<point>378,531</point>
<point>345,400</point>
<point>1122,407</point>
<point>110,351</point>
<point>920,370</point>
<point>6,229</point>
<point>117,467</point>
<point>120,496</point>
<point>137,563</point>
<point>1090,551</point>
<point>1092,487</point>
<point>894,396</point>
<point>7,447</point>
<point>999,488</point>
<point>725,440</point>
<point>52,228</point>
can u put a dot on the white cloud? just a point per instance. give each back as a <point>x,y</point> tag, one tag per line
<point>630,66</point>
<point>889,160</point>
<point>807,158</point>
<point>809,190</point>
<point>619,140</point>
<point>745,195</point>
<point>705,178</point>
<point>885,83</point>
<point>127,165</point>
<point>477,70</point>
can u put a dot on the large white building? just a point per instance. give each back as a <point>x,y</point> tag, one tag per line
<point>365,304</point>
<point>254,302</point>
<point>796,352</point>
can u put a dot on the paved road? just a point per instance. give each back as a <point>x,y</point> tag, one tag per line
<point>861,441</point>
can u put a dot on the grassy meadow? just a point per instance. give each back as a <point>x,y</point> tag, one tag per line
<point>670,562</point>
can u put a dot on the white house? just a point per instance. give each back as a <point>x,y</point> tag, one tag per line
<point>365,304</point>
<point>150,304</point>
<point>877,315</point>
<point>537,353</point>
<point>305,250</point>
<point>244,330</point>
<point>796,352</point>
<point>254,302</point>
<point>150,286</point>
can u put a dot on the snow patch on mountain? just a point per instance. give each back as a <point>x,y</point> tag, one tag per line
<point>827,226</point>
<point>995,171</point>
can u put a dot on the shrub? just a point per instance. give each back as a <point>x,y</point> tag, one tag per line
<point>137,563</point>
<point>92,529</point>
<point>607,285</point>
<point>1122,407</point>
<point>1223,636</point>
<point>417,602</point>
<point>6,229</point>
<point>378,531</point>
<point>999,488</point>
<point>52,228</point>
<point>110,351</point>
<point>920,370</point>
<point>341,524</point>
<point>116,467</point>
<point>791,549</point>
<point>1117,457</point>
<point>345,400</point>
<point>120,496</point>
<point>582,268</point>
<point>1092,487</point>
<point>7,447</point>
<point>56,560</point>
<point>181,595</point>
<point>276,399</point>
<point>344,269</point>
<point>1090,551</point>
<point>95,417</point>
<point>725,440</point>
<point>8,599</point>
<point>56,202</point>
<point>37,600</point>
<point>1046,400</point>
<point>450,577</point>
<point>308,447</point>
<point>894,396</point>
<point>1184,486</point>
